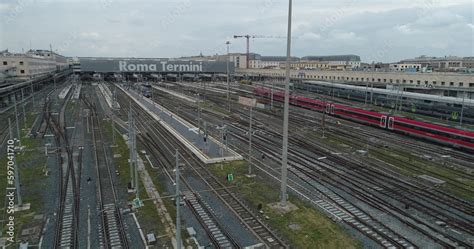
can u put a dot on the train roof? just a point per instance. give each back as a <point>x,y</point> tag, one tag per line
<point>435,126</point>
<point>421,96</point>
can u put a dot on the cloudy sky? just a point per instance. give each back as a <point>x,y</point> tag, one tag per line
<point>377,30</point>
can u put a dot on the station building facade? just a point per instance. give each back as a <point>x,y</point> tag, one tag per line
<point>32,64</point>
<point>161,67</point>
<point>449,81</point>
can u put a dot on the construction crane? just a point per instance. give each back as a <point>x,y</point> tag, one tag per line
<point>254,36</point>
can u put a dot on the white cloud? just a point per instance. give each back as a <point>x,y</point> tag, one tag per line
<point>343,36</point>
<point>310,36</point>
<point>405,29</point>
<point>90,35</point>
<point>133,28</point>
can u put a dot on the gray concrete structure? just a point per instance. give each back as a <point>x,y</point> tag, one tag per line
<point>206,148</point>
<point>150,65</point>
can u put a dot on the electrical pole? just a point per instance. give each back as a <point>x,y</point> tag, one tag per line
<point>178,198</point>
<point>400,105</point>
<point>462,108</point>
<point>284,160</point>
<point>32,95</point>
<point>228,75</point>
<point>366,89</point>
<point>23,107</point>
<point>250,143</point>
<point>17,179</point>
<point>271,97</point>
<point>371,93</point>
<point>133,152</point>
<point>225,138</point>
<point>323,121</point>
<point>113,132</point>
<point>398,97</point>
<point>114,106</point>
<point>16,121</point>
<point>199,113</point>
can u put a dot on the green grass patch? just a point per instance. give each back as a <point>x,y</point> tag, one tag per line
<point>313,229</point>
<point>31,164</point>
<point>147,215</point>
<point>213,107</point>
<point>408,164</point>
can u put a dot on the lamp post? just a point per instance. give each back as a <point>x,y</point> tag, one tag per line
<point>284,161</point>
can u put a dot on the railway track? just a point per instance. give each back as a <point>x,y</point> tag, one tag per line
<point>357,185</point>
<point>112,227</point>
<point>244,214</point>
<point>218,235</point>
<point>461,225</point>
<point>67,215</point>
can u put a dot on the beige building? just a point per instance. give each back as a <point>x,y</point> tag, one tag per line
<point>443,64</point>
<point>315,65</point>
<point>428,80</point>
<point>402,67</point>
<point>239,60</point>
<point>31,64</point>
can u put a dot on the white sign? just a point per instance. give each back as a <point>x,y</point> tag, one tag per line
<point>124,66</point>
<point>247,101</point>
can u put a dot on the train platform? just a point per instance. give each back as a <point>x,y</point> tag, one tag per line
<point>179,95</point>
<point>108,95</point>
<point>209,151</point>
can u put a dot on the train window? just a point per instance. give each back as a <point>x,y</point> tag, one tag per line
<point>411,81</point>
<point>418,82</point>
<point>434,82</point>
<point>451,83</point>
<point>461,84</point>
<point>436,132</point>
<point>442,83</point>
<point>471,84</point>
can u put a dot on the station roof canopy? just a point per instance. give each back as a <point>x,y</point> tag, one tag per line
<point>151,65</point>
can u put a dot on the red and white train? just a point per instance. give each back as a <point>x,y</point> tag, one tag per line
<point>451,136</point>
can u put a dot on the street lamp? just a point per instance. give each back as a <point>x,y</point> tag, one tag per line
<point>284,161</point>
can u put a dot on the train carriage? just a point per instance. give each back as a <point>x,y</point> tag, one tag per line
<point>442,134</point>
